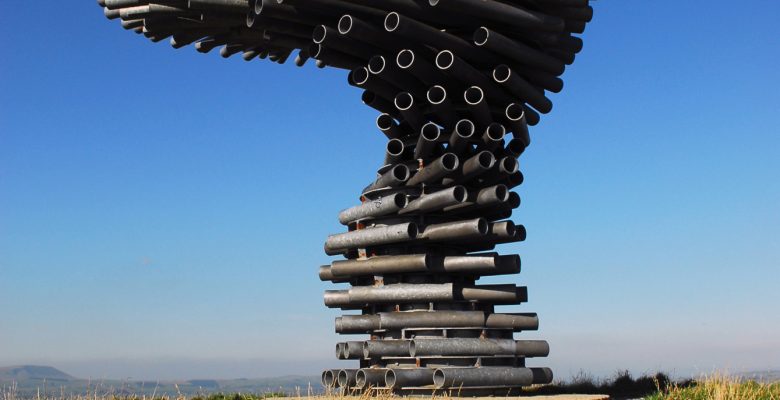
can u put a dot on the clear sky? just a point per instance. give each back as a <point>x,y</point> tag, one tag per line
<point>162,212</point>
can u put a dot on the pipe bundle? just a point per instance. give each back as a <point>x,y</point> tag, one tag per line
<point>457,83</point>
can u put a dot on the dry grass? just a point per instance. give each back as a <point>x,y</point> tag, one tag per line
<point>720,387</point>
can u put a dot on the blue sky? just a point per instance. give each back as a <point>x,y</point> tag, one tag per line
<point>162,212</point>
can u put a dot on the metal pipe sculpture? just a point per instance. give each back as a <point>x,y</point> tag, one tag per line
<point>457,82</point>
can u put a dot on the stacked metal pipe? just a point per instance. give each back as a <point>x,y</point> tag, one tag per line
<point>457,82</point>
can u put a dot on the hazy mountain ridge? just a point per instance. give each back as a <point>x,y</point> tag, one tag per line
<point>19,373</point>
<point>29,380</point>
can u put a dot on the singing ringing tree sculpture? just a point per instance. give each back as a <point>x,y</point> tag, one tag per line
<point>457,82</point>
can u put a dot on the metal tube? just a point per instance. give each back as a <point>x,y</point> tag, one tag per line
<point>490,377</point>
<point>404,102</point>
<point>383,265</point>
<point>517,51</point>
<point>435,171</point>
<point>494,136</point>
<point>370,237</point>
<point>478,107</point>
<point>517,123</point>
<point>374,208</point>
<point>353,350</point>
<point>389,127</point>
<point>402,293</point>
<point>504,294</point>
<point>473,167</point>
<point>518,322</point>
<point>461,136</point>
<point>441,106</point>
<point>385,348</point>
<point>346,377</point>
<point>408,377</point>
<point>395,176</point>
<point>478,347</point>
<point>370,377</point>
<point>429,136</point>
<point>455,231</point>
<point>329,379</point>
<point>436,201</point>
<point>395,151</point>
<point>519,87</point>
<point>340,351</point>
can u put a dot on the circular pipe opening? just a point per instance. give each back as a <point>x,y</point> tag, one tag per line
<point>412,349</point>
<point>339,350</point>
<point>502,193</point>
<point>436,95</point>
<point>342,378</point>
<point>430,132</point>
<point>501,73</point>
<point>366,353</point>
<point>368,97</point>
<point>376,64</point>
<point>449,161</point>
<point>345,24</point>
<point>258,7</point>
<point>482,228</point>
<point>401,172</point>
<point>395,147</point>
<point>510,165</point>
<point>465,128</point>
<point>384,122</point>
<point>433,2</point>
<point>327,378</point>
<point>459,193</point>
<point>389,378</point>
<point>400,200</point>
<point>514,112</point>
<point>495,131</point>
<point>438,379</point>
<point>481,36</point>
<point>391,21</point>
<point>511,229</point>
<point>445,59</point>
<point>486,159</point>
<point>520,232</point>
<point>412,230</point>
<point>360,75</point>
<point>318,36</point>
<point>403,101</point>
<point>405,58</point>
<point>360,378</point>
<point>250,20</point>
<point>473,95</point>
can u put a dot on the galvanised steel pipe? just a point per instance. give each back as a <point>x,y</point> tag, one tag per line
<point>518,322</point>
<point>517,51</point>
<point>473,167</point>
<point>414,30</point>
<point>401,293</point>
<point>374,208</point>
<point>370,377</point>
<point>376,236</point>
<point>435,201</point>
<point>382,265</point>
<point>442,107</point>
<point>461,136</point>
<point>519,87</point>
<point>429,138</point>
<point>386,348</point>
<point>395,176</point>
<point>395,152</point>
<point>455,231</point>
<point>353,350</point>
<point>346,377</point>
<point>443,166</point>
<point>503,14</point>
<point>477,347</point>
<point>490,377</point>
<point>388,126</point>
<point>408,377</point>
<point>340,351</point>
<point>329,378</point>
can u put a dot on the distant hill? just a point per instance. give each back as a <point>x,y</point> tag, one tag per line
<point>33,372</point>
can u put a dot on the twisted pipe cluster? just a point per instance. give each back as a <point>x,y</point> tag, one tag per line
<point>456,82</point>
